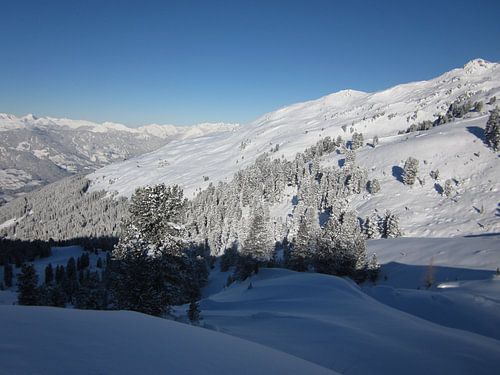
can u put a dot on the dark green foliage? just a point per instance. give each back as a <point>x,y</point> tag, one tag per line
<point>27,282</point>
<point>229,258</point>
<point>152,265</point>
<point>194,313</point>
<point>492,130</point>
<point>49,274</point>
<point>7,275</point>
<point>245,267</point>
<point>17,251</point>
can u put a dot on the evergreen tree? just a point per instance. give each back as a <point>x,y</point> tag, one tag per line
<point>410,171</point>
<point>373,268</point>
<point>150,268</point>
<point>391,225</point>
<point>373,186</point>
<point>194,313</point>
<point>448,188</point>
<point>7,275</point>
<point>49,274</point>
<point>492,130</point>
<point>357,141</point>
<point>304,245</point>
<point>371,227</point>
<point>258,243</point>
<point>27,283</point>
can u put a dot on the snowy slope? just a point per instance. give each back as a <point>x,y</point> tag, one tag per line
<point>465,290</point>
<point>44,340</point>
<point>36,151</point>
<point>330,321</point>
<point>456,149</point>
<point>295,127</point>
<point>450,328</point>
<point>458,152</point>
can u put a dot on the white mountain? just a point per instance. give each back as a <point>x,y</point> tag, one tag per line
<point>455,149</point>
<point>36,151</point>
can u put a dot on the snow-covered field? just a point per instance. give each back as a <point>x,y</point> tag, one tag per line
<point>302,322</point>
<point>44,340</point>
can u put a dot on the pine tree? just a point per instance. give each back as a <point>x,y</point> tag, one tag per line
<point>373,268</point>
<point>27,283</point>
<point>371,227</point>
<point>150,269</point>
<point>410,171</point>
<point>305,241</point>
<point>357,141</point>
<point>448,188</point>
<point>373,186</point>
<point>194,313</point>
<point>492,130</point>
<point>258,243</point>
<point>7,275</point>
<point>49,274</point>
<point>391,225</point>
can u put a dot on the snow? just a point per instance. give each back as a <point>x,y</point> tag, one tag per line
<point>44,340</point>
<point>330,321</point>
<point>395,326</point>
<point>10,122</point>
<point>456,149</point>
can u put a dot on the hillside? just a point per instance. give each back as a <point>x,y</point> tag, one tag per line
<point>298,126</point>
<point>37,151</point>
<point>456,149</point>
<point>59,341</point>
<point>395,326</point>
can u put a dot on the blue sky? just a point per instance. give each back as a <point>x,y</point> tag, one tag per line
<point>182,62</point>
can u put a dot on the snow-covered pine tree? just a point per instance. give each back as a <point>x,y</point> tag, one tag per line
<point>492,130</point>
<point>258,245</point>
<point>410,171</point>
<point>150,268</point>
<point>373,186</point>
<point>305,241</point>
<point>357,141</point>
<point>391,225</point>
<point>27,283</point>
<point>373,268</point>
<point>137,278</point>
<point>371,227</point>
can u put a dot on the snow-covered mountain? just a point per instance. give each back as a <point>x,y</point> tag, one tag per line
<point>36,151</point>
<point>456,149</point>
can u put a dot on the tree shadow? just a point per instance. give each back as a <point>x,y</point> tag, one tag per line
<point>477,131</point>
<point>397,172</point>
<point>438,188</point>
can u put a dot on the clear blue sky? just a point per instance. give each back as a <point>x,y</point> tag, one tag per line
<point>183,62</point>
